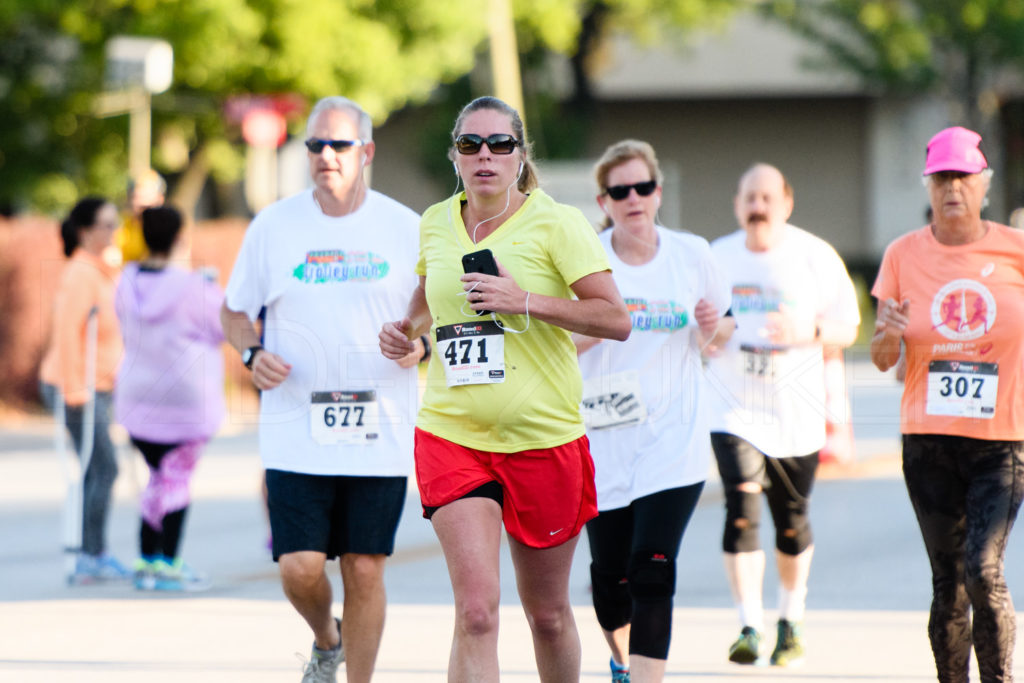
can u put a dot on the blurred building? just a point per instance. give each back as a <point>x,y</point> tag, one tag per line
<point>718,103</point>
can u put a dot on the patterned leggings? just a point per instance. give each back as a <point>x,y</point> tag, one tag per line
<point>966,494</point>
<point>166,497</point>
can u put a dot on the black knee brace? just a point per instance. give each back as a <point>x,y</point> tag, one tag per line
<point>742,521</point>
<point>652,576</point>
<point>652,583</point>
<point>793,531</point>
<point>612,603</point>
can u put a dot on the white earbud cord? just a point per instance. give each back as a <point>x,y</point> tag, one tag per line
<point>494,316</point>
<point>707,343</point>
<point>455,235</point>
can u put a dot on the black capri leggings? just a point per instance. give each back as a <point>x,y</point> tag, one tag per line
<point>786,482</point>
<point>966,494</point>
<point>633,569</point>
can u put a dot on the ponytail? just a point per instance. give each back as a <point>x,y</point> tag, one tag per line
<point>82,216</point>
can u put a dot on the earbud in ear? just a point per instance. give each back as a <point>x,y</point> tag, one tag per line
<point>520,171</point>
<point>456,167</point>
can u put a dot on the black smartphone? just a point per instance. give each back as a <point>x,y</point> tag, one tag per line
<point>480,262</point>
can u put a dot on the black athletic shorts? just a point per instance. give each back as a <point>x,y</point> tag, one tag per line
<point>334,514</point>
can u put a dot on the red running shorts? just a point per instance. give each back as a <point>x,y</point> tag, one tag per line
<point>549,493</point>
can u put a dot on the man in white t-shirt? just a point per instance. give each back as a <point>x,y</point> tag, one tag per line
<point>791,296</point>
<point>330,265</point>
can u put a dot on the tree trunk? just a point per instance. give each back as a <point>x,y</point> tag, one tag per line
<point>190,186</point>
<point>591,33</point>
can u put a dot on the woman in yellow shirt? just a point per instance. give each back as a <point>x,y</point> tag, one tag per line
<point>499,437</point>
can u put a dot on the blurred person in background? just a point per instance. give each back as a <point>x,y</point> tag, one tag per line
<point>169,394</point>
<point>145,190</point>
<point>648,436</point>
<point>791,298</point>
<point>331,265</point>
<point>86,288</point>
<point>951,295</point>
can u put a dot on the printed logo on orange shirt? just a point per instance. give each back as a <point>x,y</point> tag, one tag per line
<point>963,309</point>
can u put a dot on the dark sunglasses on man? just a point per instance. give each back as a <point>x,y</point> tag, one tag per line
<point>620,192</point>
<point>316,145</point>
<point>499,143</point>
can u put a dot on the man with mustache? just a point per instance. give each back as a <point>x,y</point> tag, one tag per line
<point>791,297</point>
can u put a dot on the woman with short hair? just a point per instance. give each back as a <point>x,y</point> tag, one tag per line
<point>951,295</point>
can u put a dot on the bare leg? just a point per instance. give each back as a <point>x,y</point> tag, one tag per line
<point>793,573</point>
<point>794,569</point>
<point>618,642</point>
<point>646,669</point>
<point>306,586</point>
<point>746,576</point>
<point>470,534</point>
<point>365,606</point>
<point>542,576</point>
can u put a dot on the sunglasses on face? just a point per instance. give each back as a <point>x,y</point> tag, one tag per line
<point>644,189</point>
<point>316,145</point>
<point>499,143</point>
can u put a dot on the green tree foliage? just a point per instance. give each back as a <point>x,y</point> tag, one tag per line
<point>383,53</point>
<point>581,30</point>
<point>958,48</point>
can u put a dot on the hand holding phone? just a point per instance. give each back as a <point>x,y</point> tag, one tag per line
<point>480,262</point>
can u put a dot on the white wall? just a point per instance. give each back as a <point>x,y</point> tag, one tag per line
<point>897,132</point>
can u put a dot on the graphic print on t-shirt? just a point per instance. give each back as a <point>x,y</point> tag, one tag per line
<point>663,315</point>
<point>336,265</point>
<point>963,309</point>
<point>753,298</point>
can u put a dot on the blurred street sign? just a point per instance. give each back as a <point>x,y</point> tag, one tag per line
<point>264,128</point>
<point>135,62</point>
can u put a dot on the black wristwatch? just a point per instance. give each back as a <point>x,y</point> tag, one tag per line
<point>249,355</point>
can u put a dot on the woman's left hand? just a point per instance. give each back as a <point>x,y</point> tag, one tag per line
<point>500,294</point>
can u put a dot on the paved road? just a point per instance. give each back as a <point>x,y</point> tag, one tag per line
<point>866,622</point>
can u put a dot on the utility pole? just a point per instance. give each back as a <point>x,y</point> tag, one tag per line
<point>136,69</point>
<point>508,85</point>
<point>136,103</point>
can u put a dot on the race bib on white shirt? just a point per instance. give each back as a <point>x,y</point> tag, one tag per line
<point>472,353</point>
<point>613,401</point>
<point>759,361</point>
<point>350,418</point>
<point>961,389</point>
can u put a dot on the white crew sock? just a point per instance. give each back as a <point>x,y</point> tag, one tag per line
<point>752,614</point>
<point>792,603</point>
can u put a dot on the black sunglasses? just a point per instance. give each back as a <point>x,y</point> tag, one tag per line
<point>644,189</point>
<point>499,143</point>
<point>316,145</point>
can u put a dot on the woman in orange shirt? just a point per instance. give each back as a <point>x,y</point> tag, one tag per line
<point>88,284</point>
<point>952,293</point>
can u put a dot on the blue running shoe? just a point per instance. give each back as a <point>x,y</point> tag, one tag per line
<point>619,674</point>
<point>97,568</point>
<point>178,577</point>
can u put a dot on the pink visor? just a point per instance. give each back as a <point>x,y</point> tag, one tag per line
<point>955,149</point>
